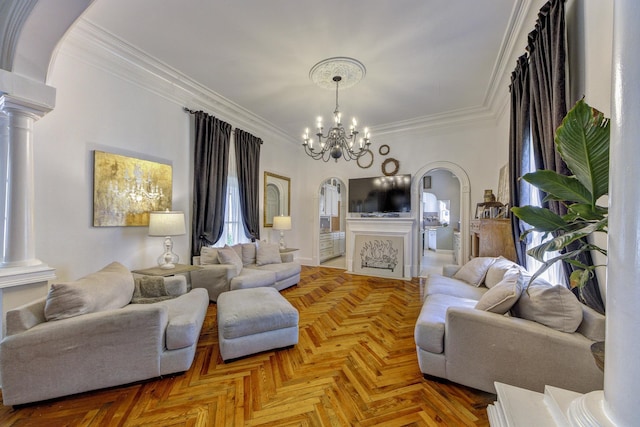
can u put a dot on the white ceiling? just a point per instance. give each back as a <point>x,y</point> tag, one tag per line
<point>424,58</point>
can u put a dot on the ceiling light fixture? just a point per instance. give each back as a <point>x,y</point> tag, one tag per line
<point>337,142</point>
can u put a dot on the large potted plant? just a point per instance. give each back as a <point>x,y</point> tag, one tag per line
<point>582,141</point>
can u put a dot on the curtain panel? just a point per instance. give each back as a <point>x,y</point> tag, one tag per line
<point>518,139</point>
<point>248,167</point>
<point>547,104</point>
<point>210,165</point>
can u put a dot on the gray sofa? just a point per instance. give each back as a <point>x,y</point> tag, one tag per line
<point>479,327</point>
<point>86,335</point>
<point>243,266</point>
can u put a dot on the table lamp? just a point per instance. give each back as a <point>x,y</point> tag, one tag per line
<point>282,223</point>
<point>167,224</point>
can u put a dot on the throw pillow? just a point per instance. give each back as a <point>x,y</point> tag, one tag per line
<point>474,271</point>
<point>496,271</point>
<point>502,296</point>
<point>208,255</point>
<point>107,289</point>
<point>149,289</point>
<point>268,253</point>
<point>552,306</point>
<point>228,255</point>
<point>248,253</point>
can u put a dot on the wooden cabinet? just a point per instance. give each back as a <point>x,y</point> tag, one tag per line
<point>329,200</point>
<point>492,237</point>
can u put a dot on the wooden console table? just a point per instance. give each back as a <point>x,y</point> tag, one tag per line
<point>166,272</point>
<point>492,237</point>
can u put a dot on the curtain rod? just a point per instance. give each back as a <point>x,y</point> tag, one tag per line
<point>187,110</point>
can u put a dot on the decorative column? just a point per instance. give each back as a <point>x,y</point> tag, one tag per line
<point>622,371</point>
<point>17,118</point>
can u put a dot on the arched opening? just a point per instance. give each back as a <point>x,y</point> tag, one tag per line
<point>442,230</point>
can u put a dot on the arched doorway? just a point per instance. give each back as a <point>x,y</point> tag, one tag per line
<point>463,203</point>
<point>332,212</point>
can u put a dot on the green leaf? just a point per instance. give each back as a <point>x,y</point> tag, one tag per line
<point>559,187</point>
<point>586,211</point>
<point>540,218</point>
<point>583,142</point>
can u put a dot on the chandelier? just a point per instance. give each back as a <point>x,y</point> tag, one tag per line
<point>338,142</point>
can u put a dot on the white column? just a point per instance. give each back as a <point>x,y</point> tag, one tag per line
<point>17,118</point>
<point>622,370</point>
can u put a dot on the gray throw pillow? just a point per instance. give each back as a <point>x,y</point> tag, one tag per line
<point>268,253</point>
<point>228,255</point>
<point>208,256</point>
<point>474,271</point>
<point>552,306</point>
<point>503,295</point>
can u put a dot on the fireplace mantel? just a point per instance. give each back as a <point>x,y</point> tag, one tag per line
<point>380,226</point>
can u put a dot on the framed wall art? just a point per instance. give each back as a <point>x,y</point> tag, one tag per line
<point>126,189</point>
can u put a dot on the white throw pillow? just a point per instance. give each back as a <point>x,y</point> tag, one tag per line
<point>552,306</point>
<point>268,253</point>
<point>228,255</point>
<point>474,271</point>
<point>208,255</point>
<point>502,296</point>
<point>496,272</point>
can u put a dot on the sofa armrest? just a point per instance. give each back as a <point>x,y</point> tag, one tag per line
<point>449,270</point>
<point>25,317</point>
<point>483,347</point>
<point>83,353</point>
<point>215,278</point>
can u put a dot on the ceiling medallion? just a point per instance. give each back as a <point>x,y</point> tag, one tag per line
<point>338,142</point>
<point>350,71</point>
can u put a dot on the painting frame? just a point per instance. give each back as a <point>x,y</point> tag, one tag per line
<point>126,189</point>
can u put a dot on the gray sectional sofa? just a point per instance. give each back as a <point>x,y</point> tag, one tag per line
<point>479,325</point>
<point>243,266</point>
<point>87,335</point>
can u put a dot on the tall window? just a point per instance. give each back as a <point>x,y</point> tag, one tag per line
<point>233,231</point>
<point>530,195</point>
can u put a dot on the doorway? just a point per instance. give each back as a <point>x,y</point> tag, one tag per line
<point>442,194</point>
<point>332,232</point>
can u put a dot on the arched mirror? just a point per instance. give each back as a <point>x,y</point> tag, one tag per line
<point>277,193</point>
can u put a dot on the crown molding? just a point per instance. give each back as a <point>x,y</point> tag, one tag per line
<point>91,44</point>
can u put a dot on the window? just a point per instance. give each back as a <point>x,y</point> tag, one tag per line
<point>233,231</point>
<point>531,196</point>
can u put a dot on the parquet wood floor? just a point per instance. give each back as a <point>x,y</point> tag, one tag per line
<point>355,365</point>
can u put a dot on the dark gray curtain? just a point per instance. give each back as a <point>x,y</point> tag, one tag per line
<point>547,70</point>
<point>248,167</point>
<point>210,167</point>
<point>518,139</point>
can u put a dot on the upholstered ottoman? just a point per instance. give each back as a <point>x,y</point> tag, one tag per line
<point>255,320</point>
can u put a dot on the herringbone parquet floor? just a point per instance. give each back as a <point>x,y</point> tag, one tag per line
<point>355,365</point>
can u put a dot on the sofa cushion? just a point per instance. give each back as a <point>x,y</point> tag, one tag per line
<point>501,297</point>
<point>437,284</point>
<point>475,270</point>
<point>268,253</point>
<point>107,289</point>
<point>429,330</point>
<point>228,255</point>
<point>209,256</point>
<point>283,270</point>
<point>496,271</point>
<point>552,306</point>
<point>252,278</point>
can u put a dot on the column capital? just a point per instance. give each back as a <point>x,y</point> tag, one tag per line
<point>16,104</point>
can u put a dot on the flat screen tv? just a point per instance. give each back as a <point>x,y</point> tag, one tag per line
<point>380,194</point>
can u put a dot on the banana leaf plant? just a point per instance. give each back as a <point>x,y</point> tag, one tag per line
<point>582,140</point>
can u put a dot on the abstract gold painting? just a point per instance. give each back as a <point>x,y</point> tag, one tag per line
<point>126,189</point>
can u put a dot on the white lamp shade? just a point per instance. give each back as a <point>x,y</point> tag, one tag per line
<point>166,223</point>
<point>282,223</point>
